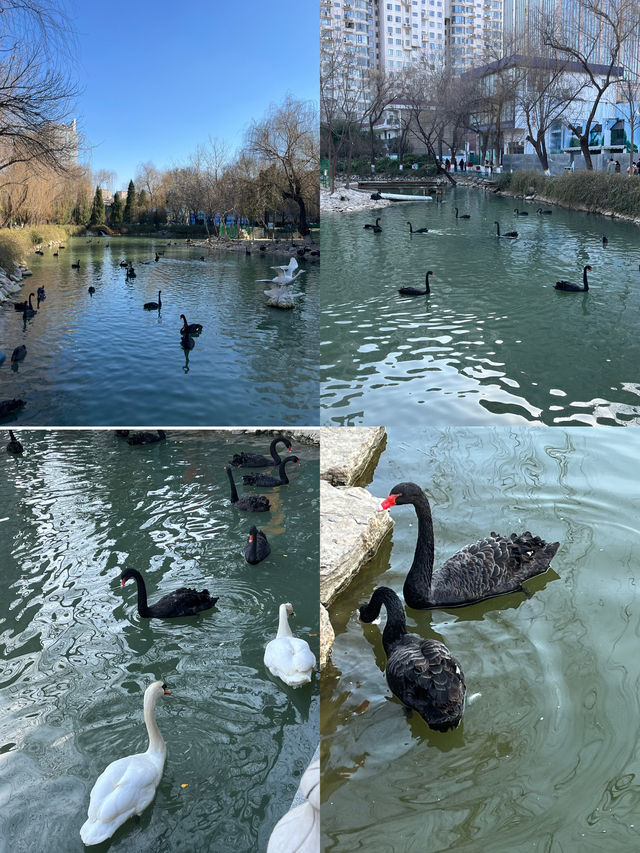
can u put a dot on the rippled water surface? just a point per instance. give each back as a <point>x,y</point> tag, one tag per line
<point>494,342</point>
<point>546,757</point>
<point>74,511</point>
<point>102,359</point>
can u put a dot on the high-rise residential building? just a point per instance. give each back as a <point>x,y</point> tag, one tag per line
<point>394,34</point>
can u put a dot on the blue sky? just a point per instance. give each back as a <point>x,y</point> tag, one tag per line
<point>159,78</point>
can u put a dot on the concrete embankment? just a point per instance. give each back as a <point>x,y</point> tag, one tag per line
<point>351,531</point>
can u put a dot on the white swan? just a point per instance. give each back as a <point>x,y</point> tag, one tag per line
<point>299,830</point>
<point>285,273</point>
<point>289,657</point>
<point>127,786</point>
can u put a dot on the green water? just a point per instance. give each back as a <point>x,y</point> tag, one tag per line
<point>75,510</point>
<point>494,342</point>
<point>101,359</point>
<point>546,757</point>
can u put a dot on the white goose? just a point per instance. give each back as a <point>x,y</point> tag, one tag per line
<point>127,786</point>
<point>289,657</point>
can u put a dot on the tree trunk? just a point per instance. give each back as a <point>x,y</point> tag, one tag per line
<point>584,147</point>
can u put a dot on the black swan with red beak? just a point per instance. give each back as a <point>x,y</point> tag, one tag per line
<point>492,566</point>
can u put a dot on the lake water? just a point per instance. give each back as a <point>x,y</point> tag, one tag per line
<point>103,360</point>
<point>494,342</point>
<point>546,758</point>
<point>76,509</point>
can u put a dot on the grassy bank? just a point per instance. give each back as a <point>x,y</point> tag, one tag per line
<point>598,192</point>
<point>17,243</point>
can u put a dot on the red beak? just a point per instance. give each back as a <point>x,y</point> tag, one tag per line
<point>250,538</point>
<point>387,502</point>
<point>122,582</point>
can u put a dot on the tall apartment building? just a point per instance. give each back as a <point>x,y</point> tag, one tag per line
<point>394,34</point>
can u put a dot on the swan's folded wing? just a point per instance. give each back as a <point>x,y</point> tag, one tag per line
<point>126,787</point>
<point>304,659</point>
<point>426,675</point>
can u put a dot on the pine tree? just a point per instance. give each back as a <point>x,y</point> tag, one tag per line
<point>97,210</point>
<point>130,206</point>
<point>115,213</point>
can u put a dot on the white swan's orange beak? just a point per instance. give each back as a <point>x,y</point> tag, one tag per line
<point>166,692</point>
<point>387,502</point>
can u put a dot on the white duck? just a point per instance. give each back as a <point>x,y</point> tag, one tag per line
<point>127,786</point>
<point>289,657</point>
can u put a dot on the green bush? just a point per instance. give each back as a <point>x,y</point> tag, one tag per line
<point>36,238</point>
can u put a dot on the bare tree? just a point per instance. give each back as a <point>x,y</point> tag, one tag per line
<point>36,90</point>
<point>545,92</point>
<point>382,90</point>
<point>596,47</point>
<point>343,103</point>
<point>629,105</point>
<point>288,139</point>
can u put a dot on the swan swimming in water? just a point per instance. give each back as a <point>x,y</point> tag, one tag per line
<point>127,786</point>
<point>423,674</point>
<point>492,566</point>
<point>288,657</point>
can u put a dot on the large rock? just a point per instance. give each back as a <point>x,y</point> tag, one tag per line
<point>346,453</point>
<point>351,532</point>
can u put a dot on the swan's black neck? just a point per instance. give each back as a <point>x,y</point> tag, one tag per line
<point>234,491</point>
<point>426,283</point>
<point>281,472</point>
<point>417,585</point>
<point>143,609</point>
<point>272,448</point>
<point>584,279</point>
<point>396,625</point>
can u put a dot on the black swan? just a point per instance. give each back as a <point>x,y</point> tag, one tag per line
<point>152,306</point>
<point>257,547</point>
<point>131,273</point>
<point>413,230</point>
<point>29,311</point>
<point>542,212</point>
<point>269,479</point>
<point>415,291</point>
<point>41,294</point>
<point>374,227</point>
<point>520,212</point>
<point>605,242</point>
<point>20,306</point>
<point>492,566</point>
<point>257,460</point>
<point>182,602</point>
<point>8,406</point>
<point>575,288</point>
<point>252,503</point>
<point>191,328</point>
<point>186,341</point>
<point>462,215</point>
<point>75,266</point>
<point>147,437</point>
<point>423,674</point>
<point>91,290</point>
<point>24,306</point>
<point>14,445</point>
<point>508,234</point>
<point>124,263</point>
<point>19,353</point>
